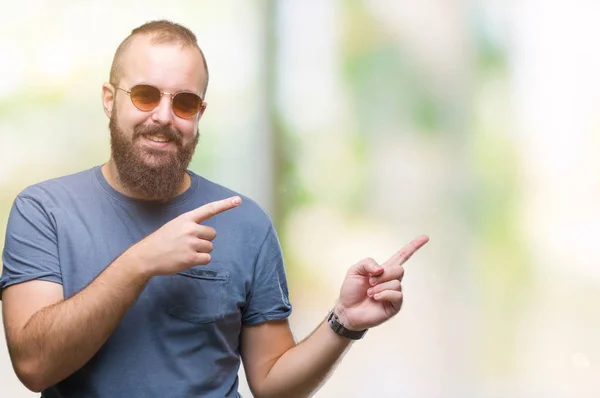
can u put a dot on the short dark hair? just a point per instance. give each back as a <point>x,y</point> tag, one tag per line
<point>161,31</point>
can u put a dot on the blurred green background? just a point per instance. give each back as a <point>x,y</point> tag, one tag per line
<point>359,125</point>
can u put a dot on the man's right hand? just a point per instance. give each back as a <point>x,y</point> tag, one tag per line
<point>37,316</point>
<point>182,242</point>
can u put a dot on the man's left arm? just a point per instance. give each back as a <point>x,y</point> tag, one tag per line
<point>276,366</point>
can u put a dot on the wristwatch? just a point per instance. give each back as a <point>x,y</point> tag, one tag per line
<point>343,331</point>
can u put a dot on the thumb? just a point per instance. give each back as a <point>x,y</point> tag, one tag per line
<point>367,267</point>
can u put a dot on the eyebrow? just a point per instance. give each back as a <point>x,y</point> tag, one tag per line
<point>165,91</point>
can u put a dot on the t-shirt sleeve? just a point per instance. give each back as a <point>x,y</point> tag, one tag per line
<point>269,297</point>
<point>30,248</point>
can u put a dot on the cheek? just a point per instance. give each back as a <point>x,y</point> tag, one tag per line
<point>129,122</point>
<point>129,116</point>
<point>188,128</point>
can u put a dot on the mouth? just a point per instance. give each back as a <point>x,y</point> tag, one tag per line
<point>157,141</point>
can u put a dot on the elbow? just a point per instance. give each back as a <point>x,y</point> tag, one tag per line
<point>258,391</point>
<point>293,395</point>
<point>31,375</point>
<point>265,393</point>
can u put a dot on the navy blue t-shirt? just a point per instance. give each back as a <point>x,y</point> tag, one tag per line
<point>181,337</point>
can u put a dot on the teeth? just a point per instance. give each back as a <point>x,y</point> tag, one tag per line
<point>157,139</point>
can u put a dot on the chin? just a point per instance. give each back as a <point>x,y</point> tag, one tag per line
<point>153,156</point>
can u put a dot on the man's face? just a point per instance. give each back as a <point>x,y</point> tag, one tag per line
<point>153,149</point>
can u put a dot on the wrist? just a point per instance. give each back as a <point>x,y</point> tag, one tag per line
<point>340,329</point>
<point>136,264</point>
<point>340,312</point>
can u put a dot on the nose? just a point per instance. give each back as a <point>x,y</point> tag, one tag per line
<point>163,114</point>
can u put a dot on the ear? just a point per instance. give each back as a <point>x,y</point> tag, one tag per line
<point>202,109</point>
<point>108,98</point>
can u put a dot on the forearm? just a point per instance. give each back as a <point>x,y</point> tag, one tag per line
<point>59,339</point>
<point>304,368</point>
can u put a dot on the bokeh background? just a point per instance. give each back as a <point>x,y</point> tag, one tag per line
<point>359,125</point>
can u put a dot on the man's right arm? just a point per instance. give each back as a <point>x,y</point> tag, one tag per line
<point>50,338</point>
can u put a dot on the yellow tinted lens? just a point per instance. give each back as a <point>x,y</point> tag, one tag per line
<point>145,97</point>
<point>186,105</point>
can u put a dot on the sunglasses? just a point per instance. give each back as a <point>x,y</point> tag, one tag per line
<point>146,97</point>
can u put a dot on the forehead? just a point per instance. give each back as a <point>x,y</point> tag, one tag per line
<point>169,66</point>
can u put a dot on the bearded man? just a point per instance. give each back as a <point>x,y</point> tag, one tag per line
<point>140,278</point>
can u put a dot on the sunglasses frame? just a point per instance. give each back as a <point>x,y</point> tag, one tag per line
<point>173,95</point>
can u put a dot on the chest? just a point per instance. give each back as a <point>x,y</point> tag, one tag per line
<point>90,242</point>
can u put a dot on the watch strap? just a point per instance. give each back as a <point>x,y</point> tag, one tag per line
<point>343,331</point>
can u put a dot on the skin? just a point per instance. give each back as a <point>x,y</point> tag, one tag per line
<point>169,67</point>
<point>38,319</point>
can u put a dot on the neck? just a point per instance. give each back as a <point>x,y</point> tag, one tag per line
<point>111,174</point>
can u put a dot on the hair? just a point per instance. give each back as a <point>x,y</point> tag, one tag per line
<point>160,31</point>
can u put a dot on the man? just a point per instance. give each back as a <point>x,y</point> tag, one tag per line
<point>139,278</point>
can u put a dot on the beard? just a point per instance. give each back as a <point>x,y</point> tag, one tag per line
<point>154,174</point>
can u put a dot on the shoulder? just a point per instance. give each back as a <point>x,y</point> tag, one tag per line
<point>59,190</point>
<point>58,185</point>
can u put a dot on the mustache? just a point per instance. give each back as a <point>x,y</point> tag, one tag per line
<point>171,134</point>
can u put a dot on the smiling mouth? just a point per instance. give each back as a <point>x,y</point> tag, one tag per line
<point>157,138</point>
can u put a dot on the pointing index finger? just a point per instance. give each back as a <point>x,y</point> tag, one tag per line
<point>211,209</point>
<point>407,251</point>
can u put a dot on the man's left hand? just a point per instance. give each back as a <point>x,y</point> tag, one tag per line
<point>371,294</point>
